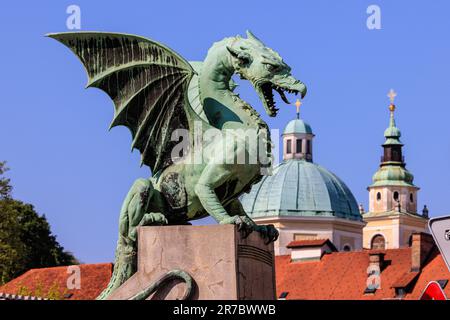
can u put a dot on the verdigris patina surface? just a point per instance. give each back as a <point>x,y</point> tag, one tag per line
<point>170,105</point>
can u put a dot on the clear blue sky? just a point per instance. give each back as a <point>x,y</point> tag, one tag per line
<point>65,162</point>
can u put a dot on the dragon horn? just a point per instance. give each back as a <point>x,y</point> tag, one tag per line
<point>251,36</point>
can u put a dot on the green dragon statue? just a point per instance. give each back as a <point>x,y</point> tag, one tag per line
<point>159,95</point>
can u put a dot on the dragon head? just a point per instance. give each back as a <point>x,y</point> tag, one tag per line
<point>265,69</point>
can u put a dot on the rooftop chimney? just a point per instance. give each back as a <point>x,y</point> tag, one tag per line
<point>376,264</point>
<point>376,259</point>
<point>421,247</point>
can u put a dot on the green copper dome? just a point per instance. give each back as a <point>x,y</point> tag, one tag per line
<point>300,188</point>
<point>297,126</point>
<point>392,176</point>
<point>392,132</point>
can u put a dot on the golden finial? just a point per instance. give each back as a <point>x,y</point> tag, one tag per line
<point>298,103</point>
<point>392,94</point>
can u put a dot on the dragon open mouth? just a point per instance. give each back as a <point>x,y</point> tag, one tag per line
<point>266,92</point>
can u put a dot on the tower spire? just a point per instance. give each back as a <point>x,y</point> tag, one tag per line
<point>392,94</point>
<point>392,146</point>
<point>392,118</point>
<point>392,133</point>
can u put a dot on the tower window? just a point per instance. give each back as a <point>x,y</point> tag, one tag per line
<point>411,197</point>
<point>288,146</point>
<point>395,155</point>
<point>298,148</point>
<point>378,196</point>
<point>308,146</point>
<point>396,196</point>
<point>378,242</point>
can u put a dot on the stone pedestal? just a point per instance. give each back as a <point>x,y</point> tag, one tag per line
<point>222,264</point>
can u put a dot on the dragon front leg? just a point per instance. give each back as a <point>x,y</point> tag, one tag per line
<point>213,176</point>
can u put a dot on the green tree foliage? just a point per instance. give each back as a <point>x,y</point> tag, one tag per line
<point>26,240</point>
<point>5,187</point>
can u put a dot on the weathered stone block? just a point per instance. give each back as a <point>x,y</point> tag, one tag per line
<point>222,264</point>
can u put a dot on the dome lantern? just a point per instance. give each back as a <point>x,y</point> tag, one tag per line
<point>297,138</point>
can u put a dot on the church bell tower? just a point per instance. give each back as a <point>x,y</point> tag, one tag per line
<point>392,215</point>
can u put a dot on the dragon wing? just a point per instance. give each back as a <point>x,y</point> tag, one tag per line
<point>148,83</point>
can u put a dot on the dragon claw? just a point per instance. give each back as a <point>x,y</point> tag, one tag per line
<point>268,232</point>
<point>245,230</point>
<point>153,218</point>
<point>243,226</point>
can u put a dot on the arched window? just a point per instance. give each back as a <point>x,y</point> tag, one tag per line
<point>396,196</point>
<point>347,248</point>
<point>378,196</point>
<point>411,197</point>
<point>378,242</point>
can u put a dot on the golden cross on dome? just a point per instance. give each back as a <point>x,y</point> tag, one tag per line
<point>298,103</point>
<point>392,94</point>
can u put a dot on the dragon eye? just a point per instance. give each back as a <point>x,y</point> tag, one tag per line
<point>244,60</point>
<point>271,67</point>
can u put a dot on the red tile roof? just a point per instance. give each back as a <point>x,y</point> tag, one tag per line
<point>405,280</point>
<point>343,276</point>
<point>337,276</point>
<point>434,270</point>
<point>52,282</point>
